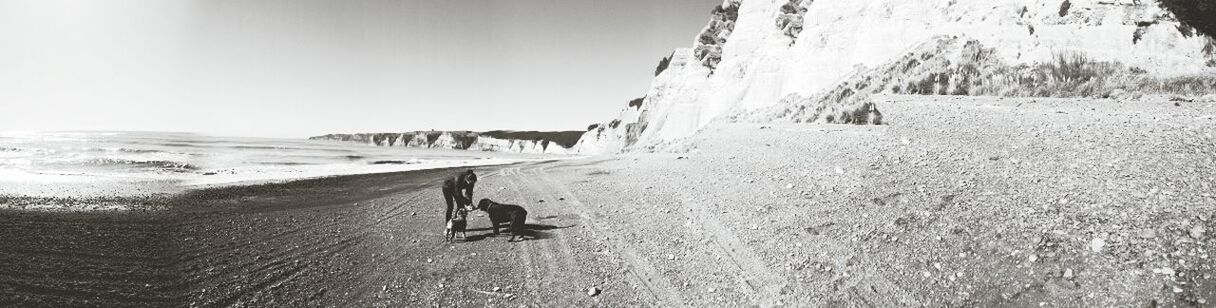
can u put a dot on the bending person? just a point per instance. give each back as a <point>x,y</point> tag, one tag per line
<point>458,191</point>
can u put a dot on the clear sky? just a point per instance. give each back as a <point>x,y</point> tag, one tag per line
<point>296,68</point>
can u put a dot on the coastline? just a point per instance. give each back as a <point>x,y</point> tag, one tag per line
<point>158,194</point>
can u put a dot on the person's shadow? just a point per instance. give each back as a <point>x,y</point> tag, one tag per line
<point>531,232</point>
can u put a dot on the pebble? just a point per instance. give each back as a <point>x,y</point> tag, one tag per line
<point>1164,271</point>
<point>1197,232</point>
<point>789,186</point>
<point>496,289</point>
<point>1068,273</point>
<point>593,291</point>
<point>1148,233</point>
<point>1097,244</point>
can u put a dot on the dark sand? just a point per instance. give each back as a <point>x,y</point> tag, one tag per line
<point>325,242</point>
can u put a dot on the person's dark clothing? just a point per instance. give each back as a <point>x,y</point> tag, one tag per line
<point>464,187</point>
<point>458,191</point>
<point>453,198</point>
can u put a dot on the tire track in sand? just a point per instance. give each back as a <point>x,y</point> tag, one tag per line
<point>563,263</point>
<point>761,281</point>
<point>662,290</point>
<point>533,282</point>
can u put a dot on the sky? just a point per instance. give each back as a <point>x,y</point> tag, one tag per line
<point>298,68</point>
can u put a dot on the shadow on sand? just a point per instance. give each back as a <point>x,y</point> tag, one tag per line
<point>531,232</point>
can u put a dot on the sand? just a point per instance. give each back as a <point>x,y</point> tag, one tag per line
<point>957,202</point>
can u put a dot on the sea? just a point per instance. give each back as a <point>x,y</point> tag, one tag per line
<point>71,164</point>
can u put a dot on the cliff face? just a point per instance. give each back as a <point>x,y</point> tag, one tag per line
<point>817,60</point>
<point>497,141</point>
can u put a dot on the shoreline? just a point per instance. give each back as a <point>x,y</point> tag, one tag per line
<point>86,199</point>
<point>163,257</point>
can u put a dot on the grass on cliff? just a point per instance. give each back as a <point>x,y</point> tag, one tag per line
<point>950,66</point>
<point>978,72</point>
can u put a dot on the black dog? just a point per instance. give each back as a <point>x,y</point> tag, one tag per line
<point>505,213</point>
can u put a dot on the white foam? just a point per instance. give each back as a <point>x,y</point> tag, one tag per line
<point>273,174</point>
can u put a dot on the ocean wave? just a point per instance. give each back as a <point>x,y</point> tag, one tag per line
<point>160,165</point>
<point>285,163</point>
<point>395,162</point>
<point>180,145</point>
<point>263,147</point>
<point>119,150</point>
<point>131,150</point>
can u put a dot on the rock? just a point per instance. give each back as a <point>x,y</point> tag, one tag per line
<point>428,260</point>
<point>496,289</point>
<point>593,291</point>
<point>541,201</point>
<point>1164,271</point>
<point>1068,273</point>
<point>1148,233</point>
<point>1197,232</point>
<point>789,186</point>
<point>1097,244</point>
<point>561,199</point>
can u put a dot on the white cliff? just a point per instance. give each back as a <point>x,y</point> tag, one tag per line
<point>777,49</point>
<point>498,141</point>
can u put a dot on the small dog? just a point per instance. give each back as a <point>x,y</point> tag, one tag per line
<point>458,223</point>
<point>505,213</point>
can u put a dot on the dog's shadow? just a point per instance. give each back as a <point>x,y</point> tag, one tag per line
<point>531,232</point>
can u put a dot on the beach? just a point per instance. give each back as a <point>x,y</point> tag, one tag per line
<point>955,201</point>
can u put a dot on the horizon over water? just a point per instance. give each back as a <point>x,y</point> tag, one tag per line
<point>109,164</point>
